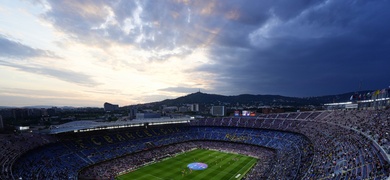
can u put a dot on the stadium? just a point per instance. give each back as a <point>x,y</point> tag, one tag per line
<point>331,144</point>
<point>291,90</point>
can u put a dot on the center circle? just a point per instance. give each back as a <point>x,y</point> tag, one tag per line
<point>197,166</point>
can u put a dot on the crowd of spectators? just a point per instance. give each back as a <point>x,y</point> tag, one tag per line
<point>338,144</point>
<point>345,141</point>
<point>375,124</point>
<point>65,158</point>
<point>340,151</point>
<point>14,145</point>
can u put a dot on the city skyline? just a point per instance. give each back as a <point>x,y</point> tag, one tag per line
<point>84,53</point>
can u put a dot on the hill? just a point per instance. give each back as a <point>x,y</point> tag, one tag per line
<point>256,100</point>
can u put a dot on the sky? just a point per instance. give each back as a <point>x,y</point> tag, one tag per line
<point>87,52</point>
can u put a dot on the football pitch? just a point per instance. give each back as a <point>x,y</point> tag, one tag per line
<point>215,164</point>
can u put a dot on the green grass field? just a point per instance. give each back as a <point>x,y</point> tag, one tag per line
<point>221,165</point>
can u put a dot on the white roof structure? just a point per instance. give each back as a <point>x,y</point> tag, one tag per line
<point>82,126</point>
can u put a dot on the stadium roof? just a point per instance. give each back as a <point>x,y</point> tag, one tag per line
<point>82,126</point>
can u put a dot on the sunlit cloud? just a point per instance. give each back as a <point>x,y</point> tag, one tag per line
<point>185,90</point>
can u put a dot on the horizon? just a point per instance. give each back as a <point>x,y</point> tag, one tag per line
<point>70,106</point>
<point>84,53</point>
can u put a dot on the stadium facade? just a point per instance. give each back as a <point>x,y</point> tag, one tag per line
<point>379,99</point>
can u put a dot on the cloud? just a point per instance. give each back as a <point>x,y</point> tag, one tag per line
<point>314,49</point>
<point>180,89</point>
<point>164,28</point>
<point>297,48</point>
<point>41,93</point>
<point>14,49</point>
<point>62,74</point>
<point>25,100</point>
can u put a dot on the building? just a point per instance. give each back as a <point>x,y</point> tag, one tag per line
<point>19,113</point>
<point>218,111</point>
<point>169,109</point>
<point>194,107</point>
<point>53,111</point>
<point>133,112</point>
<point>34,113</point>
<point>110,107</point>
<point>148,115</point>
<point>1,123</point>
<point>183,109</point>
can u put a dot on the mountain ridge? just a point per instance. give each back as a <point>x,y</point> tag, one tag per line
<point>266,100</point>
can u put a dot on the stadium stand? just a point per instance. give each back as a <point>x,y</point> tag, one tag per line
<point>15,145</point>
<point>338,144</point>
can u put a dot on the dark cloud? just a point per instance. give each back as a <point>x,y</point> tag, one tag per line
<point>14,49</point>
<point>62,74</point>
<point>316,49</point>
<point>296,48</point>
